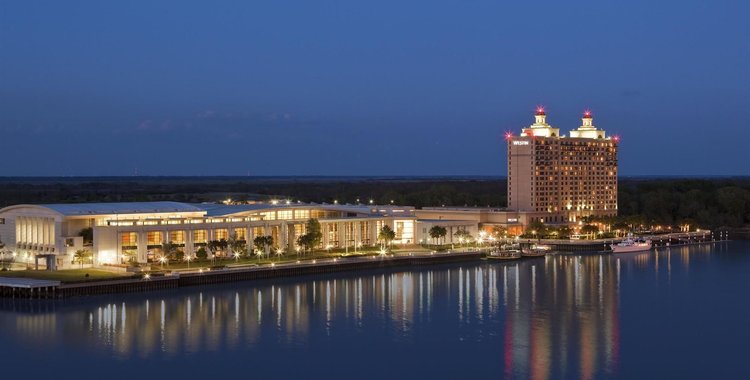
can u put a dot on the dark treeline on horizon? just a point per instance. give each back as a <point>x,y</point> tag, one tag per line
<point>709,203</point>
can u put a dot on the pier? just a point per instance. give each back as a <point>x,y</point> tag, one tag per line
<point>599,245</point>
<point>12,287</point>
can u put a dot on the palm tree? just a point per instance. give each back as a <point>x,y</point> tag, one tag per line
<point>436,233</point>
<point>237,245</point>
<point>387,235</point>
<point>82,255</point>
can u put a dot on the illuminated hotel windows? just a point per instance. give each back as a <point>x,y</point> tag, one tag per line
<point>128,239</point>
<point>221,233</point>
<point>404,231</point>
<point>332,229</point>
<point>154,238</point>
<point>200,236</point>
<point>177,237</point>
<point>301,214</point>
<point>299,230</point>
<point>284,215</point>
<point>364,233</point>
<point>271,215</point>
<point>258,231</point>
<point>240,233</point>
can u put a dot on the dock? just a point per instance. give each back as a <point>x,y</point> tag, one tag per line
<point>14,287</point>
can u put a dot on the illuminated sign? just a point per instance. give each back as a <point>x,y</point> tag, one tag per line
<point>520,142</point>
<point>512,220</point>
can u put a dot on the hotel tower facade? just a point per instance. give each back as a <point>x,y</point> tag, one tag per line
<point>561,179</point>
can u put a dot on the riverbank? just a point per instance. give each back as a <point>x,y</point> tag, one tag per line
<point>38,289</point>
<point>14,286</point>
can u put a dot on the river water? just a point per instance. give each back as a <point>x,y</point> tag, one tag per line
<point>672,313</point>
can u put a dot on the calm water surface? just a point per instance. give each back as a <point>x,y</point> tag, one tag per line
<point>674,313</point>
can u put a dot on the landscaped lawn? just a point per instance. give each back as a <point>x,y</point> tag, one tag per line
<point>65,275</point>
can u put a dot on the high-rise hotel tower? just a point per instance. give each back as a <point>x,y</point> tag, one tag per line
<point>560,179</point>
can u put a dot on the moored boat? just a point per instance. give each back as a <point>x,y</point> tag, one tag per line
<point>631,245</point>
<point>536,250</point>
<point>504,255</point>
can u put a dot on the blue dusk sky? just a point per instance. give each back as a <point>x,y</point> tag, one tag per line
<point>365,87</point>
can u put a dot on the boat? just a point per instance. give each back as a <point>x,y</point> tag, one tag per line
<point>631,245</point>
<point>504,255</point>
<point>536,250</point>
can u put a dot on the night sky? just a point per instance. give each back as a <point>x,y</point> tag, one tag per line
<point>365,87</point>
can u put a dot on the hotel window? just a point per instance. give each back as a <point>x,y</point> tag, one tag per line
<point>271,215</point>
<point>154,238</point>
<point>200,236</point>
<point>276,236</point>
<point>128,239</point>
<point>299,230</point>
<point>177,237</point>
<point>404,231</point>
<point>258,231</point>
<point>333,234</point>
<point>364,233</point>
<point>221,233</point>
<point>301,214</point>
<point>284,214</point>
<point>240,233</point>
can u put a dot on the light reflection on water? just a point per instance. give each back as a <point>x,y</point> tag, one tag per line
<point>558,316</point>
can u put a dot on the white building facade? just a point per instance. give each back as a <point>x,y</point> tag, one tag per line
<point>47,235</point>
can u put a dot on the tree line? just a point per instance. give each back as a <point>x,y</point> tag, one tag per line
<point>709,203</point>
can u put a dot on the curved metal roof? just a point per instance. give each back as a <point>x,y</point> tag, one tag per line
<point>73,209</point>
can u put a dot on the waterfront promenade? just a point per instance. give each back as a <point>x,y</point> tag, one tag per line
<point>170,279</point>
<point>202,276</point>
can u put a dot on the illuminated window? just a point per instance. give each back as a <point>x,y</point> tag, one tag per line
<point>404,231</point>
<point>177,237</point>
<point>154,237</point>
<point>240,233</point>
<point>301,214</point>
<point>258,231</point>
<point>200,236</point>
<point>271,215</point>
<point>128,239</point>
<point>221,233</point>
<point>284,214</point>
<point>333,234</point>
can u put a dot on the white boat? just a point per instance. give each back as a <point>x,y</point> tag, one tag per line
<point>536,250</point>
<point>631,245</point>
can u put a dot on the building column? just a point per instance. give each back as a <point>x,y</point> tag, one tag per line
<point>324,231</point>
<point>189,245</point>
<point>341,227</point>
<point>283,237</point>
<point>142,244</point>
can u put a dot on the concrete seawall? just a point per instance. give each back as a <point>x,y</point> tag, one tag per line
<point>239,274</point>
